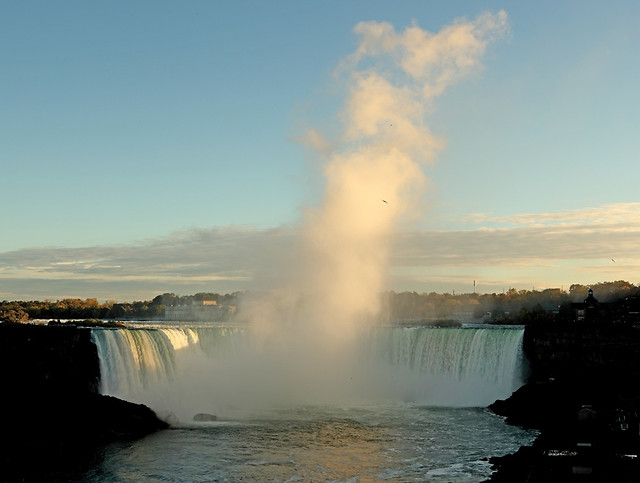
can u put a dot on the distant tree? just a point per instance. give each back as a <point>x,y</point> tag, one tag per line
<point>156,310</point>
<point>13,316</point>
<point>206,296</point>
<point>449,307</point>
<point>118,311</point>
<point>168,299</point>
<point>140,309</point>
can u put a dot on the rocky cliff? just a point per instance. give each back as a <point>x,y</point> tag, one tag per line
<point>583,394</point>
<point>53,419</point>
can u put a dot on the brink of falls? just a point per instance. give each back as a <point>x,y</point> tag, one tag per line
<point>229,372</point>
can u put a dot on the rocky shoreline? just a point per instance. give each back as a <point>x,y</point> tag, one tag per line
<point>54,420</point>
<point>583,394</point>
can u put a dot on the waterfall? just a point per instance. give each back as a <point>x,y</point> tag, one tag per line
<point>183,371</point>
<point>464,366</point>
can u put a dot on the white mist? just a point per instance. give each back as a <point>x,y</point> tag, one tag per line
<point>304,341</point>
<point>329,289</point>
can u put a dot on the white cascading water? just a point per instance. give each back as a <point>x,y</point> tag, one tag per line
<point>454,367</point>
<point>179,372</point>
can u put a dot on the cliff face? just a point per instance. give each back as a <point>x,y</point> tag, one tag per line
<point>37,360</point>
<point>53,418</point>
<point>584,353</point>
<point>583,394</point>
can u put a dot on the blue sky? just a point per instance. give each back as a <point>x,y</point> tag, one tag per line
<point>150,147</point>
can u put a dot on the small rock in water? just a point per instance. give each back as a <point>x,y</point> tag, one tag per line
<point>205,417</point>
<point>169,418</point>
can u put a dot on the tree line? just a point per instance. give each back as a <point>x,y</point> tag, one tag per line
<point>512,306</point>
<point>82,309</point>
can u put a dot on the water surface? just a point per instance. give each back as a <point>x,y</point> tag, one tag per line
<point>392,443</point>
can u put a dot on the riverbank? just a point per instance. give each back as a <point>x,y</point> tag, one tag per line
<point>53,419</point>
<point>583,394</point>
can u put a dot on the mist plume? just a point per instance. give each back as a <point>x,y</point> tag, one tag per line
<point>390,80</point>
<point>334,278</point>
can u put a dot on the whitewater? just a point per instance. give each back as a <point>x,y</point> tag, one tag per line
<point>405,404</point>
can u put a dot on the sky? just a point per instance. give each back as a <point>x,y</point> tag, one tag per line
<point>150,147</point>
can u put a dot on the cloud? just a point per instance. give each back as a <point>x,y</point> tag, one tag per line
<point>541,250</point>
<point>395,76</point>
<point>627,215</point>
<point>219,257</point>
<point>589,233</point>
<point>434,60</point>
<point>544,249</point>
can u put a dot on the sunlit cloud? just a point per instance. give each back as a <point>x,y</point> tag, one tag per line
<point>225,258</point>
<point>626,215</point>
<point>585,246</point>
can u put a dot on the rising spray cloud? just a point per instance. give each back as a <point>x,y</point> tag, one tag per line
<point>305,345</point>
<point>373,179</point>
<point>373,171</point>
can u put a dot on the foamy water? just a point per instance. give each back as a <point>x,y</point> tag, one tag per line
<point>376,443</point>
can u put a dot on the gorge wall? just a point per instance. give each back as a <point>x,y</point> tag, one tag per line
<point>53,419</point>
<point>583,394</point>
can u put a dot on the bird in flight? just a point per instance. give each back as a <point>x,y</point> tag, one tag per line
<point>613,260</point>
<point>385,201</point>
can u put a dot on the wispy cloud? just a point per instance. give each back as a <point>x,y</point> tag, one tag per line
<point>525,250</point>
<point>625,214</point>
<point>196,259</point>
<point>545,249</point>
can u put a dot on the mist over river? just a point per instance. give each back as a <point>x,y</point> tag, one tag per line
<point>404,404</point>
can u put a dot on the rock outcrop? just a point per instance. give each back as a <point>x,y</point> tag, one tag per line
<point>205,417</point>
<point>53,419</point>
<point>583,394</point>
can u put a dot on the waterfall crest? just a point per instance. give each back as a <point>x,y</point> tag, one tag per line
<point>492,354</point>
<point>183,371</point>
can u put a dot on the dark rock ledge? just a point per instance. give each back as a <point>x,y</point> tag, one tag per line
<point>54,422</point>
<point>583,394</point>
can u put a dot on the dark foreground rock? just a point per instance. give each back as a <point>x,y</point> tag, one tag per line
<point>53,439</point>
<point>53,421</point>
<point>583,395</point>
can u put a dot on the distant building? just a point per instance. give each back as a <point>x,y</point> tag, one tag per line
<point>204,311</point>
<point>621,311</point>
<point>588,309</point>
<point>632,310</point>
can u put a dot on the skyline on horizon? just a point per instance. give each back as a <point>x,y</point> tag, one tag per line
<point>181,148</point>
